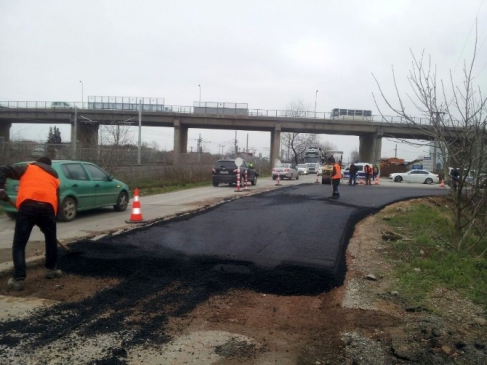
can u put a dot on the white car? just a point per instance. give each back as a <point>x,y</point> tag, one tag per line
<point>303,169</point>
<point>285,170</point>
<point>416,176</point>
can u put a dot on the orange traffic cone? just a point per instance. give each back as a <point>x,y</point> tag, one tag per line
<point>136,216</point>
<point>361,181</point>
<point>377,180</point>
<point>442,185</point>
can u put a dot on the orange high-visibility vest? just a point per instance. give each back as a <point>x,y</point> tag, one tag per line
<point>338,172</point>
<point>36,184</point>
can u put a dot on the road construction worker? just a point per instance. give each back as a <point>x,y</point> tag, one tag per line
<point>368,174</point>
<point>37,204</point>
<point>251,165</point>
<point>353,175</point>
<point>336,176</point>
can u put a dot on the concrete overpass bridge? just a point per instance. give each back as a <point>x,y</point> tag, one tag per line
<point>86,119</point>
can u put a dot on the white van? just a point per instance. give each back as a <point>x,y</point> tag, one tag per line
<point>360,170</point>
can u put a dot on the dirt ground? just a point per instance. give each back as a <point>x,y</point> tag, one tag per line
<point>362,322</point>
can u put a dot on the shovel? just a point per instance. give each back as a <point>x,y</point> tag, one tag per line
<point>66,248</point>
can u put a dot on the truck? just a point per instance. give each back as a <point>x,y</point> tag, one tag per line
<point>331,157</point>
<point>313,157</point>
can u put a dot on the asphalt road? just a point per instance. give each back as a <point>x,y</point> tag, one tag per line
<point>295,226</point>
<point>292,224</point>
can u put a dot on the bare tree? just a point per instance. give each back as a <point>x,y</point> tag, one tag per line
<point>294,144</point>
<point>116,135</point>
<point>456,116</point>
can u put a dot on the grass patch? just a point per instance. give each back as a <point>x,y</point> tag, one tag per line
<point>152,189</point>
<point>425,260</point>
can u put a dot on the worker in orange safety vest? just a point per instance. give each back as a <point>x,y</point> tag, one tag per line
<point>336,176</point>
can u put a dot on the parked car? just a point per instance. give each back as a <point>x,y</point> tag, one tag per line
<point>39,150</point>
<point>285,170</point>
<point>416,176</point>
<point>303,169</point>
<point>225,172</point>
<point>84,186</point>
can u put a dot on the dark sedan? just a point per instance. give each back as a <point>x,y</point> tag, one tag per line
<point>225,172</point>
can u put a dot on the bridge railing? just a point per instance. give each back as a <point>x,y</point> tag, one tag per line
<point>258,113</point>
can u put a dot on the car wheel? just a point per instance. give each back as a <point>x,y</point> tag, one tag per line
<point>11,215</point>
<point>297,177</point>
<point>122,202</point>
<point>398,179</point>
<point>254,180</point>
<point>215,183</point>
<point>68,210</point>
<point>428,181</point>
<point>274,177</point>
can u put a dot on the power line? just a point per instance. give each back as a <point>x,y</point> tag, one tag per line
<point>466,41</point>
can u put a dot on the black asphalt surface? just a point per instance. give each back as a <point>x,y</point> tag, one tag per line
<point>296,227</point>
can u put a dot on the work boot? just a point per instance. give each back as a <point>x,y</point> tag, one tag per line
<point>52,274</point>
<point>16,285</point>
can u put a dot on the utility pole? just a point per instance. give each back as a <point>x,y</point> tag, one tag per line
<point>247,146</point>
<point>437,124</point>
<point>139,154</point>
<point>395,152</point>
<point>74,135</point>
<point>316,97</point>
<point>198,148</point>
<point>236,147</point>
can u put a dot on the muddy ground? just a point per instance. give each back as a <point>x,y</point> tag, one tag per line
<point>113,309</point>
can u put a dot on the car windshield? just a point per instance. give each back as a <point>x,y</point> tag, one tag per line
<point>283,165</point>
<point>303,166</point>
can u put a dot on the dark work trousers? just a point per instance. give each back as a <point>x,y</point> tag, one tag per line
<point>32,214</point>
<point>335,183</point>
<point>353,179</point>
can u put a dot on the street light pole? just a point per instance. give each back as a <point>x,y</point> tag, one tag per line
<point>199,103</point>
<point>81,94</point>
<point>316,97</point>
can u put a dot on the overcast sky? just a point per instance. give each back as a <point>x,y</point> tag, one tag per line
<point>263,53</point>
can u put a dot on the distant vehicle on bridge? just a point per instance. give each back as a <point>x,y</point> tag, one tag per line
<point>351,114</point>
<point>127,103</point>
<point>128,106</point>
<point>60,104</point>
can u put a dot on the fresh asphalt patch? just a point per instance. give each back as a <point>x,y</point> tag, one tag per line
<point>289,241</point>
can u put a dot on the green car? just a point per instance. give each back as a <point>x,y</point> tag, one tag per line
<point>84,186</point>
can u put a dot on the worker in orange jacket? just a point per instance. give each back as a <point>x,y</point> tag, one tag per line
<point>368,174</point>
<point>37,204</point>
<point>336,175</point>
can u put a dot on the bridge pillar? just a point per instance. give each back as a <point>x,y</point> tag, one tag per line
<point>370,147</point>
<point>86,135</point>
<point>5,131</point>
<point>275,144</point>
<point>180,141</point>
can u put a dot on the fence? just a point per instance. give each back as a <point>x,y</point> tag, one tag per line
<point>122,161</point>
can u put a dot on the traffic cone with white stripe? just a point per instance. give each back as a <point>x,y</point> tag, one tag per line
<point>136,216</point>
